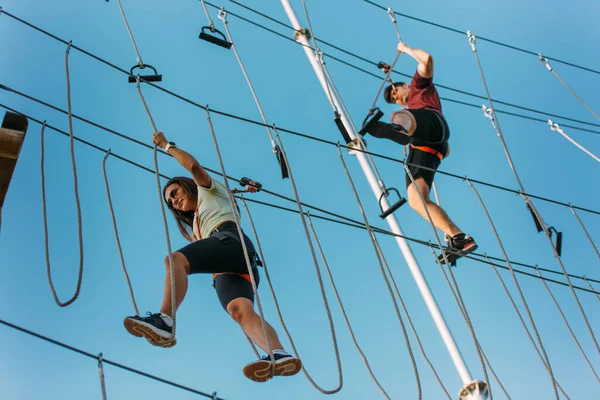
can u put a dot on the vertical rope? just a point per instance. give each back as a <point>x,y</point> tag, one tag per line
<point>114,221</point>
<point>387,282</point>
<point>242,241</point>
<point>568,325</point>
<point>337,295</point>
<point>211,25</point>
<point>278,308</point>
<point>393,18</point>
<point>516,281</point>
<point>491,114</point>
<point>137,52</point>
<point>584,230</point>
<point>101,373</point>
<point>164,215</point>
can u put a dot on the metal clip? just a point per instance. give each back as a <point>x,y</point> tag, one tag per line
<point>69,46</point>
<point>554,126</point>
<point>320,57</point>
<point>472,39</point>
<point>391,13</point>
<point>488,112</point>
<point>544,61</point>
<point>223,15</point>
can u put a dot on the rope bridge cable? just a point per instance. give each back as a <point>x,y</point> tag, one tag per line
<point>544,61</point>
<point>76,191</point>
<point>385,278</point>
<point>277,307</point>
<point>495,123</point>
<point>236,216</point>
<point>555,127</point>
<point>101,374</point>
<point>570,330</point>
<point>485,39</point>
<point>106,361</point>
<point>339,300</point>
<point>195,104</point>
<point>545,358</point>
<point>114,221</point>
<point>586,232</point>
<point>397,72</point>
<point>342,219</point>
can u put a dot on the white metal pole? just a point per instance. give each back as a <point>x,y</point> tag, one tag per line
<point>415,270</point>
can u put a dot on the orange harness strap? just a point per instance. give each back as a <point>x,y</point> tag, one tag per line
<point>429,150</point>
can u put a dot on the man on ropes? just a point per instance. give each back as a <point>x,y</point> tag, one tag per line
<point>421,125</point>
<point>204,216</point>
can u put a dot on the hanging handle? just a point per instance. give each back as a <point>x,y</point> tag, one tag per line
<point>219,41</point>
<point>156,77</point>
<point>401,201</point>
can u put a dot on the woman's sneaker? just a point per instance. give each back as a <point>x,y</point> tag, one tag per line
<point>462,244</point>
<point>262,370</point>
<point>156,328</point>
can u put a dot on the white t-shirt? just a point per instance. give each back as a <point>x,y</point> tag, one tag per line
<point>213,209</point>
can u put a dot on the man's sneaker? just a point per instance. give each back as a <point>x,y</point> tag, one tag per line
<point>262,370</point>
<point>462,244</point>
<point>156,328</point>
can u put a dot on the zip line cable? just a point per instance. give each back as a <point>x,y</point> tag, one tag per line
<point>485,39</point>
<point>77,200</point>
<point>346,220</point>
<point>280,129</point>
<point>400,73</point>
<point>328,142</point>
<point>106,361</point>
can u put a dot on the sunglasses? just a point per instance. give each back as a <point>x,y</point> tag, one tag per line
<point>171,196</point>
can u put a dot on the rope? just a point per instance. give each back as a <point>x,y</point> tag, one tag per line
<point>77,201</point>
<point>242,242</point>
<point>512,301</point>
<point>412,327</point>
<point>211,25</point>
<point>393,18</point>
<point>457,295</point>
<point>337,295</point>
<point>490,113</point>
<point>342,219</point>
<point>385,278</point>
<point>545,359</point>
<point>557,128</point>
<point>114,221</point>
<point>544,61</point>
<point>316,263</point>
<point>385,80</point>
<point>569,328</point>
<point>277,307</point>
<point>164,215</point>
<point>586,232</point>
<point>137,52</point>
<point>101,373</point>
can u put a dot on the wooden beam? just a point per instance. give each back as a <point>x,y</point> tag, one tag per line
<point>12,135</point>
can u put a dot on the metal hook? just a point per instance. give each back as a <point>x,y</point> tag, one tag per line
<point>544,61</point>
<point>391,13</point>
<point>69,46</point>
<point>472,39</point>
<point>487,111</point>
<point>223,15</point>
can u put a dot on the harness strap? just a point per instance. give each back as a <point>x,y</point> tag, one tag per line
<point>429,150</point>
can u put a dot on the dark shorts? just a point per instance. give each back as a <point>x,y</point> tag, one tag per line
<point>432,131</point>
<point>223,255</point>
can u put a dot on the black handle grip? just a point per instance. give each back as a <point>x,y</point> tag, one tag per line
<point>401,201</point>
<point>538,225</point>
<point>559,237</point>
<point>147,78</point>
<point>219,41</point>
<point>342,128</point>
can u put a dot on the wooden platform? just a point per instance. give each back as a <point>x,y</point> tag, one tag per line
<point>12,135</point>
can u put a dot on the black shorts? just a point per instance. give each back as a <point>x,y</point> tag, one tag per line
<point>432,130</point>
<point>224,255</point>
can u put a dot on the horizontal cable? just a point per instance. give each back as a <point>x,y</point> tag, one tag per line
<point>403,74</point>
<point>485,39</point>
<point>348,221</point>
<point>106,361</point>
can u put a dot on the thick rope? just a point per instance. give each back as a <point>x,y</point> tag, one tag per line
<point>412,326</point>
<point>211,25</point>
<point>238,223</point>
<point>491,114</point>
<point>555,127</point>
<point>585,230</point>
<point>114,221</point>
<point>591,287</point>
<point>544,61</point>
<point>101,374</point>
<point>76,190</point>
<point>546,359</point>
<point>531,339</point>
<point>137,52</point>
<point>163,212</point>
<point>337,295</point>
<point>277,307</point>
<point>385,278</point>
<point>457,295</point>
<point>569,327</point>
<point>385,80</point>
<point>316,264</point>
<point>393,18</point>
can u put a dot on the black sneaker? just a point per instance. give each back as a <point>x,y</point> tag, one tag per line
<point>462,244</point>
<point>262,370</point>
<point>154,328</point>
<point>370,122</point>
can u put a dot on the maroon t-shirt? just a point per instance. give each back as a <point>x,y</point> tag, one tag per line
<point>423,94</point>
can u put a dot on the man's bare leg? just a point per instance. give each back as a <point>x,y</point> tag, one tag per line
<point>438,215</point>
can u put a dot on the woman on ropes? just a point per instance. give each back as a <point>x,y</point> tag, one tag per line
<point>421,125</point>
<point>204,215</point>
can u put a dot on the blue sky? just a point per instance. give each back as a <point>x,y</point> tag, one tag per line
<point>211,349</point>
